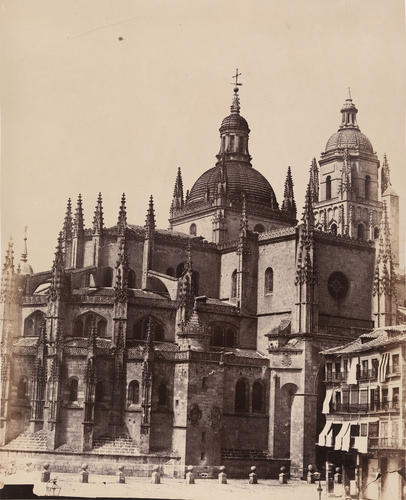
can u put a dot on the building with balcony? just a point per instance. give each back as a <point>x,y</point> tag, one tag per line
<point>365,410</point>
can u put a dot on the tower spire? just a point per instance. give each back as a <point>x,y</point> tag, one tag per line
<point>98,216</point>
<point>289,204</point>
<point>78,224</point>
<point>122,217</point>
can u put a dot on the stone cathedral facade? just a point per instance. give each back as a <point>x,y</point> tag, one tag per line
<point>201,343</point>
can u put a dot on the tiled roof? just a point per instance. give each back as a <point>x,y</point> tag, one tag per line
<point>379,338</point>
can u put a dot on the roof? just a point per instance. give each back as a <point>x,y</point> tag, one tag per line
<point>351,138</point>
<point>386,336</point>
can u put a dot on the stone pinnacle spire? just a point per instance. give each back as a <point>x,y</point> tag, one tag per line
<point>178,199</point>
<point>244,219</point>
<point>98,216</point>
<point>308,215</point>
<point>67,223</point>
<point>150,219</point>
<point>314,181</point>
<point>289,204</point>
<point>122,217</point>
<point>78,224</point>
<point>385,175</point>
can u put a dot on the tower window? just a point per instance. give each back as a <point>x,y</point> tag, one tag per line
<point>328,188</point>
<point>232,139</point>
<point>234,284</point>
<point>269,281</point>
<point>193,229</point>
<point>367,187</point>
<point>360,231</point>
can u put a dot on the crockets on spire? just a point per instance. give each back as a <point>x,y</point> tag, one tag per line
<point>289,204</point>
<point>308,214</point>
<point>122,217</point>
<point>57,278</point>
<point>78,224</point>
<point>314,181</point>
<point>98,216</point>
<point>67,223</point>
<point>150,219</point>
<point>8,276</point>
<point>385,175</point>
<point>178,200</point>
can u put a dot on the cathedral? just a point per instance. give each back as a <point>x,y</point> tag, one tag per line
<point>200,344</point>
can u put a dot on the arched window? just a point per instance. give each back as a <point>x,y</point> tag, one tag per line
<point>140,329</point>
<point>241,395</point>
<point>170,271</point>
<point>333,229</point>
<point>99,393</point>
<point>360,231</point>
<point>73,389</point>
<point>234,284</point>
<point>376,233</point>
<point>131,279</point>
<point>107,276</point>
<point>22,388</point>
<point>33,324</point>
<point>367,187</point>
<point>179,269</point>
<point>223,335</point>
<point>328,187</point>
<point>259,228</point>
<point>162,394</point>
<point>269,281</point>
<point>193,229</point>
<point>83,325</point>
<point>258,398</point>
<point>134,393</point>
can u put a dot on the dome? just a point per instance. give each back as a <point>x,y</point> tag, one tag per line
<point>233,122</point>
<point>26,268</point>
<point>351,138</point>
<point>241,178</point>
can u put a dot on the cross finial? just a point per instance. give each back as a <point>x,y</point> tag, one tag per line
<point>349,93</point>
<point>235,77</point>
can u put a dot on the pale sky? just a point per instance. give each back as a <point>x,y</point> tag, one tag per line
<point>83,111</point>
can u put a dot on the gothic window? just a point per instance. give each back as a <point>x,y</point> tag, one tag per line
<point>360,231</point>
<point>259,228</point>
<point>162,394</point>
<point>367,187</point>
<point>140,329</point>
<point>73,389</point>
<point>22,388</point>
<point>83,325</point>
<point>328,187</point>
<point>134,393</point>
<point>333,229</point>
<point>193,229</point>
<point>223,335</point>
<point>33,324</point>
<point>268,281</point>
<point>179,269</point>
<point>170,271</point>
<point>258,399</point>
<point>241,395</point>
<point>107,276</point>
<point>234,284</point>
<point>376,233</point>
<point>131,279</point>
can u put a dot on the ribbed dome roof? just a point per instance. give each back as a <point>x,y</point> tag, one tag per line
<point>234,121</point>
<point>240,178</point>
<point>351,138</point>
<point>26,268</point>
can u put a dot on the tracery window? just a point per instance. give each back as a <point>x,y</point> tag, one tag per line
<point>140,329</point>
<point>33,324</point>
<point>223,335</point>
<point>83,325</point>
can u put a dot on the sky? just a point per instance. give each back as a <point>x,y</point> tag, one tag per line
<point>115,95</point>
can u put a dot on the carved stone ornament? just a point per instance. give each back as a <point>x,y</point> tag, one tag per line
<point>286,359</point>
<point>338,285</point>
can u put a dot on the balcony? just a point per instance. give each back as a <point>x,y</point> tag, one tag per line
<point>367,375</point>
<point>387,443</point>
<point>336,376</point>
<point>374,407</point>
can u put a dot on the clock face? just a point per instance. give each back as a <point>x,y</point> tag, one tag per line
<point>338,285</point>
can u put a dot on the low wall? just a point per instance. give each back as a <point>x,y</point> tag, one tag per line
<point>268,468</point>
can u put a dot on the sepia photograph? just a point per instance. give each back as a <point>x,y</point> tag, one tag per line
<point>203,285</point>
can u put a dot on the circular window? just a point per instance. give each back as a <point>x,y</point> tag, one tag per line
<point>338,285</point>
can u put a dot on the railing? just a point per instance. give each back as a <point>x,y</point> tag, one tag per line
<point>382,406</point>
<point>393,373</point>
<point>336,376</point>
<point>387,442</point>
<point>367,375</point>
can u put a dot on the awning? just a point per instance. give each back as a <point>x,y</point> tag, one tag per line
<point>383,363</point>
<point>345,446</point>
<point>329,438</point>
<point>323,433</point>
<point>352,374</point>
<point>361,444</point>
<point>327,399</point>
<point>339,438</point>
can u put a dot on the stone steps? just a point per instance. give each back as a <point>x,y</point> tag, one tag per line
<point>30,441</point>
<point>115,446</point>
